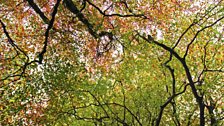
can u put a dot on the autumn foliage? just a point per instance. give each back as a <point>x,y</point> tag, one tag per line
<point>111,62</point>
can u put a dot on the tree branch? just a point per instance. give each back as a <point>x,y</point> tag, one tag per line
<point>72,7</point>
<point>10,40</point>
<point>119,15</point>
<point>50,25</point>
<point>38,11</point>
<point>199,31</point>
<point>198,98</point>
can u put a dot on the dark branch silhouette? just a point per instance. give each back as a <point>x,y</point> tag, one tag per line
<point>50,26</point>
<point>38,11</point>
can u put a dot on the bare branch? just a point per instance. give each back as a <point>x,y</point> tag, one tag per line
<point>72,7</point>
<point>168,102</point>
<point>198,98</point>
<point>50,26</point>
<point>194,23</point>
<point>38,11</point>
<point>119,15</point>
<point>11,40</point>
<point>199,31</point>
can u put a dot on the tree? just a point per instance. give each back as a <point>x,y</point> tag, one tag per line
<point>111,62</point>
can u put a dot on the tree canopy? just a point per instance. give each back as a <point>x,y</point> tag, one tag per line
<point>111,62</point>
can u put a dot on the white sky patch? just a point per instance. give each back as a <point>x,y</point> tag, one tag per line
<point>159,35</point>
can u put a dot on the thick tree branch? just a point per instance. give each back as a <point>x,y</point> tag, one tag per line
<point>38,11</point>
<point>211,109</point>
<point>72,7</point>
<point>198,98</point>
<point>50,25</point>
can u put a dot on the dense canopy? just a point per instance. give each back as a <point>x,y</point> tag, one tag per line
<point>111,62</point>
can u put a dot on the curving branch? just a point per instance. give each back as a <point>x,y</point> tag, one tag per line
<point>18,51</point>
<point>103,105</point>
<point>118,15</point>
<point>50,26</point>
<point>198,98</point>
<point>11,41</point>
<point>195,22</point>
<point>16,47</point>
<point>162,107</point>
<point>107,115</point>
<point>198,32</point>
